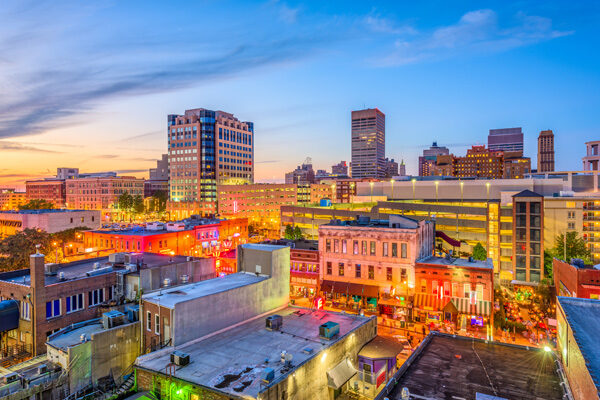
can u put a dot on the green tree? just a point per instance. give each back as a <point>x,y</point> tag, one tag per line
<point>289,232</point>
<point>298,233</point>
<point>479,252</point>
<point>548,257</point>
<point>125,201</point>
<point>575,247</point>
<point>138,204</point>
<point>160,198</point>
<point>17,248</point>
<point>37,204</point>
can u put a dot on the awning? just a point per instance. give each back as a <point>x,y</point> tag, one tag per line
<point>340,374</point>
<point>355,289</point>
<point>481,307</point>
<point>430,301</point>
<point>332,286</point>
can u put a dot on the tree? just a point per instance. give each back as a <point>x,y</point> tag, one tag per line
<point>160,198</point>
<point>548,257</point>
<point>298,233</point>
<point>37,204</point>
<point>17,248</point>
<point>125,201</point>
<point>575,247</point>
<point>479,252</point>
<point>138,204</point>
<point>289,232</point>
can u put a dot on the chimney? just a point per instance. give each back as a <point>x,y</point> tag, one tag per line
<point>37,270</point>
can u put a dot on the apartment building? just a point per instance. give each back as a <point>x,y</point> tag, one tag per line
<point>53,190</point>
<point>101,193</point>
<point>10,199</point>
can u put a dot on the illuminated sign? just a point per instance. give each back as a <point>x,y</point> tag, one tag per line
<point>318,303</point>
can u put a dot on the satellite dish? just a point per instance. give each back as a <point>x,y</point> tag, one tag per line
<point>405,394</point>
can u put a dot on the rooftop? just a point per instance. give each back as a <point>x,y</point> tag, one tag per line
<point>171,297</point>
<point>527,193</point>
<point>459,368</point>
<point>394,222</point>
<point>43,211</point>
<point>233,361</point>
<point>583,316</point>
<point>71,335</point>
<point>381,347</point>
<point>457,262</point>
<point>78,269</point>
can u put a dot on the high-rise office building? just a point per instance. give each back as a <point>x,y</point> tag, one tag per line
<point>368,143</point>
<point>508,139</point>
<point>205,148</point>
<point>340,169</point>
<point>545,159</point>
<point>428,160</point>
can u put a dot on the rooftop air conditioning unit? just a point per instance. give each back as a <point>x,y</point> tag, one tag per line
<point>184,279</point>
<point>180,358</point>
<point>329,330</point>
<point>274,322</point>
<point>51,269</point>
<point>133,312</point>
<point>268,374</point>
<point>61,276</point>
<point>166,282</point>
<point>42,369</point>
<point>9,378</point>
<point>116,258</point>
<point>112,318</point>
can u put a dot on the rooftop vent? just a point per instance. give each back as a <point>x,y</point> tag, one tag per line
<point>180,358</point>
<point>133,312</point>
<point>166,282</point>
<point>96,266</point>
<point>274,322</point>
<point>42,369</point>
<point>61,276</point>
<point>112,318</point>
<point>329,330</point>
<point>83,338</point>
<point>268,374</point>
<point>99,271</point>
<point>184,279</point>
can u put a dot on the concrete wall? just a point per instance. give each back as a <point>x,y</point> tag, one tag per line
<point>114,351</point>
<point>198,270</point>
<point>309,380</point>
<point>204,315</point>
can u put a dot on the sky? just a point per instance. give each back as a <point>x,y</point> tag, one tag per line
<point>90,84</point>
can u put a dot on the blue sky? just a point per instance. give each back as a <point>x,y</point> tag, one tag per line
<point>89,84</point>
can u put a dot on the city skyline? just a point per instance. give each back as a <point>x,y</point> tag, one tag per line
<point>75,100</point>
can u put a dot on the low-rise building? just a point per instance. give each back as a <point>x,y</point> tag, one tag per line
<point>454,290</point>
<point>54,296</point>
<point>576,279</point>
<point>101,193</point>
<point>578,323</point>
<point>372,260</point>
<point>97,351</point>
<point>10,199</point>
<point>51,221</point>
<point>53,190</point>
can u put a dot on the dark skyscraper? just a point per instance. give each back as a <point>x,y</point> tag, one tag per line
<point>508,139</point>
<point>368,144</point>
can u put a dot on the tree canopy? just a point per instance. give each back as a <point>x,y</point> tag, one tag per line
<point>575,248</point>
<point>479,252</point>
<point>37,204</point>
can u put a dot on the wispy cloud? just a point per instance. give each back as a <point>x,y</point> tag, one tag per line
<point>267,162</point>
<point>14,146</point>
<point>477,32</point>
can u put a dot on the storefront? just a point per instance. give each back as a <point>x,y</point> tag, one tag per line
<point>348,295</point>
<point>428,308</point>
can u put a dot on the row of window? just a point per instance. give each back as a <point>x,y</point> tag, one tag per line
<point>445,287</point>
<point>358,270</point>
<point>366,248</point>
<point>75,302</point>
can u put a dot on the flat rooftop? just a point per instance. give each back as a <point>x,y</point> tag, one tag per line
<point>140,231</point>
<point>456,262</point>
<point>459,368</point>
<point>233,361</point>
<point>583,316</point>
<point>44,211</point>
<point>71,335</point>
<point>179,294</point>
<point>78,269</point>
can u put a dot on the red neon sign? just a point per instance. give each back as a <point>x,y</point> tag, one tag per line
<point>318,303</point>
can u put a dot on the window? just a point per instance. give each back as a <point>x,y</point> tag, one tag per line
<point>156,324</point>
<point>328,245</point>
<point>423,286</point>
<point>467,290</point>
<point>344,246</point>
<point>371,272</point>
<point>571,214</point>
<point>358,273</point>
<point>52,309</point>
<point>336,246</point>
<point>329,268</point>
<point>364,248</point>
<point>388,273</point>
<point>479,290</point>
<point>75,303</point>
<point>394,249</point>
<point>25,311</point>
<point>385,249</point>
<point>571,226</point>
<point>403,250</point>
<point>149,320</point>
<point>454,289</point>
<point>95,297</point>
<point>355,245</point>
<point>372,248</point>
<point>341,269</point>
<point>434,287</point>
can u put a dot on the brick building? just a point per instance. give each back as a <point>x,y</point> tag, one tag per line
<point>51,221</point>
<point>10,199</point>
<point>52,190</point>
<point>101,193</point>
<point>372,259</point>
<point>454,290</point>
<point>576,279</point>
